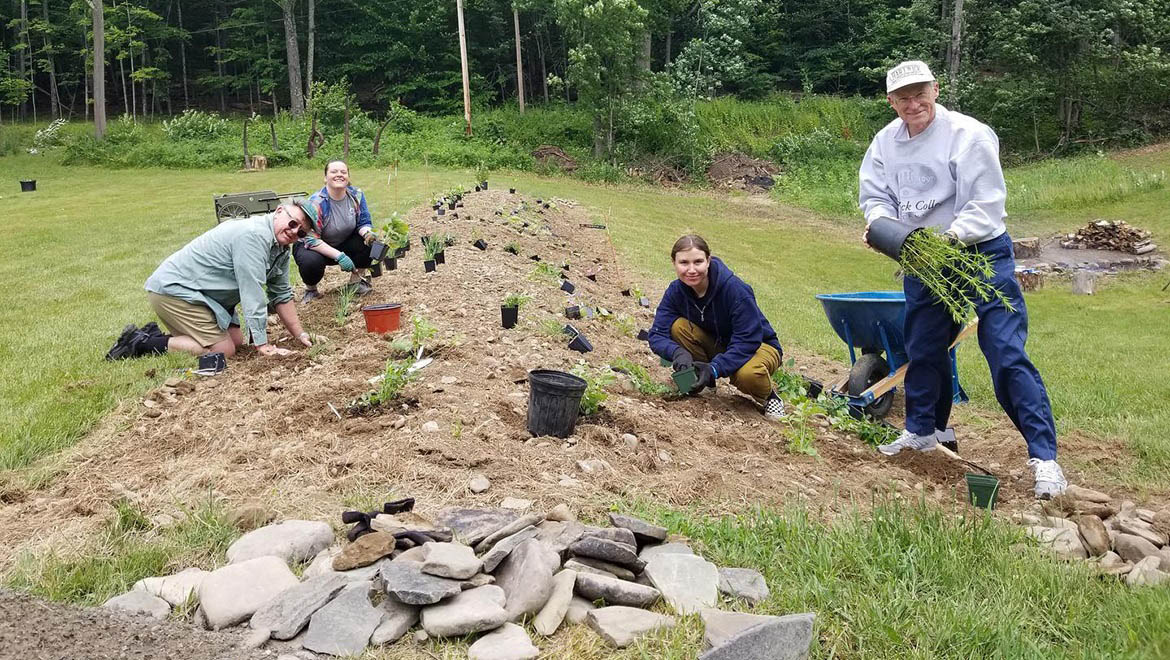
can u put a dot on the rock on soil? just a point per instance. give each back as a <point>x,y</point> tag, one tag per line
<point>289,612</point>
<point>785,638</point>
<point>291,540</point>
<point>517,525</point>
<point>508,642</point>
<point>610,551</point>
<point>1064,542</point>
<point>579,608</point>
<point>397,619</point>
<point>175,589</point>
<point>526,577</point>
<point>365,550</point>
<point>688,583</point>
<point>451,560</point>
<point>1133,548</point>
<point>1145,573</point>
<point>745,584</point>
<point>553,613</point>
<point>720,626</point>
<point>139,602</point>
<point>233,593</point>
<point>622,626</point>
<point>474,525</point>
<point>1093,534</point>
<point>643,531</point>
<point>472,611</point>
<point>505,546</point>
<point>651,551</point>
<point>616,592</point>
<point>406,583</point>
<point>344,626</point>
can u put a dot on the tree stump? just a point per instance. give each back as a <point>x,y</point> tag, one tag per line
<point>259,162</point>
<point>1027,248</point>
<point>1029,279</point>
<point>1084,283</point>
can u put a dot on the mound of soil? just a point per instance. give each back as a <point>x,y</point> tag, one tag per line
<point>555,156</point>
<point>266,429</point>
<point>741,172</point>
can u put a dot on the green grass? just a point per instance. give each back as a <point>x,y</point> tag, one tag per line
<point>127,550</point>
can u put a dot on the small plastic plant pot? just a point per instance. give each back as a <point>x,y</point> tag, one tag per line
<point>400,253</point>
<point>511,191</point>
<point>436,207</point>
<point>509,316</point>
<point>483,185</point>
<point>391,263</point>
<point>429,265</point>
<point>643,335</point>
<point>664,362</point>
<point>451,205</point>
<point>887,236</point>
<point>685,380</point>
<point>567,286</point>
<point>481,244</point>
<point>477,189</point>
<point>28,185</point>
<point>981,490</point>
<point>376,269</point>
<point>211,363</point>
<point>377,251</point>
<point>440,258</point>
<point>644,301</point>
<point>580,344</point>
<point>626,292</point>
<point>441,211</point>
<point>592,277</point>
<point>573,312</point>
<point>570,330</point>
<point>554,402</point>
<point>534,257</point>
<point>382,318</point>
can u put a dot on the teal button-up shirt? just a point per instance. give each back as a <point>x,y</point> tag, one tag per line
<point>232,264</point>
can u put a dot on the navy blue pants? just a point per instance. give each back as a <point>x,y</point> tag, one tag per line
<point>929,330</point>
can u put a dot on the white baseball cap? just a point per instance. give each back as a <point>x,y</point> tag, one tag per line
<point>907,73</point>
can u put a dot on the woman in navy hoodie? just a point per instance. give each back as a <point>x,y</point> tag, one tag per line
<point>709,319</point>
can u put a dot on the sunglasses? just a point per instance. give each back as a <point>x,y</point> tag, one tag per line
<point>295,225</point>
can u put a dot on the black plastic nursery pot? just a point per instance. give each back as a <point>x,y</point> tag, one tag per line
<point>436,206</point>
<point>591,276</point>
<point>643,335</point>
<point>570,330</point>
<point>580,344</point>
<point>429,265</point>
<point>376,269</point>
<point>567,286</point>
<point>509,316</point>
<point>483,184</point>
<point>211,363</point>
<point>391,263</point>
<point>685,380</point>
<point>573,312</point>
<point>441,211</point>
<point>481,244</point>
<point>554,401</point>
<point>28,185</point>
<point>887,236</point>
<point>400,253</point>
<point>534,257</point>
<point>477,189</point>
<point>511,191</point>
<point>626,292</point>
<point>982,489</point>
<point>377,251</point>
<point>451,205</point>
<point>440,258</point>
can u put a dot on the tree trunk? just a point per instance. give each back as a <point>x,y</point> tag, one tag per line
<point>543,70</point>
<point>99,70</point>
<point>311,49</point>
<point>219,58</point>
<point>644,55</point>
<point>463,61</point>
<point>519,64</point>
<point>130,49</point>
<point>666,58</point>
<point>292,51</point>
<point>183,55</point>
<point>955,54</point>
<point>26,58</point>
<point>54,95</point>
<point>125,94</point>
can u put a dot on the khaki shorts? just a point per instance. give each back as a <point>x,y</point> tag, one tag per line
<point>187,319</point>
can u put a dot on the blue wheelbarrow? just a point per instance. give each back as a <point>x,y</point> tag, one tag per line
<point>872,322</point>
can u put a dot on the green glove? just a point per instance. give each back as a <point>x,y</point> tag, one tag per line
<point>345,262</point>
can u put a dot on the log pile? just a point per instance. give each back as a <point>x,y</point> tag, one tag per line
<point>1115,235</point>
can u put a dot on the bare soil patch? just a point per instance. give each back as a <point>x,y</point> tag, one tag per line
<point>264,429</point>
<point>742,172</point>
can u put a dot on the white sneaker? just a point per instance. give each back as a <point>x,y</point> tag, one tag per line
<point>1050,480</point>
<point>909,440</point>
<point>773,408</point>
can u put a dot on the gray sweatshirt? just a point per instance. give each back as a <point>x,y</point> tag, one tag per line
<point>947,177</point>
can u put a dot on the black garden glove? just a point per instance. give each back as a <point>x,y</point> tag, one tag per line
<point>704,376</point>
<point>682,359</point>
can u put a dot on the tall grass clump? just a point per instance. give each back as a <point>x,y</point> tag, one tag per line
<point>1074,183</point>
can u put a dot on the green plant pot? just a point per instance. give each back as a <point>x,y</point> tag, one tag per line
<point>981,490</point>
<point>685,380</point>
<point>664,362</point>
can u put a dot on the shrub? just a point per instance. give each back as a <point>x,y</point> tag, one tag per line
<point>51,135</point>
<point>196,125</point>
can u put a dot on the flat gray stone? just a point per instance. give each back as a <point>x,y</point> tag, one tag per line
<point>553,613</point>
<point>562,513</point>
<point>599,567</point>
<point>505,546</point>
<point>138,601</point>
<point>344,626</point>
<point>618,534</point>
<point>286,614</point>
<point>474,525</point>
<point>786,638</point>
<point>743,583</point>
<point>527,520</point>
<point>397,619</point>
<point>472,611</point>
<point>1064,542</point>
<point>575,564</point>
<point>291,540</point>
<point>174,589</point>
<point>559,535</point>
<point>651,551</point>
<point>508,642</point>
<point>1145,573</point>
<point>1138,527</point>
<point>622,626</point>
<point>1093,534</point>
<point>1133,548</point>
<point>1087,494</point>
<point>720,626</point>
<point>579,608</point>
<point>688,582</point>
<point>405,582</point>
<point>526,576</point>
<point>643,531</point>
<point>615,592</point>
<point>606,550</point>
<point>233,593</point>
<point>451,560</point>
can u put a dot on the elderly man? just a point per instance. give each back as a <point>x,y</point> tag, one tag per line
<point>195,291</point>
<point>932,167</point>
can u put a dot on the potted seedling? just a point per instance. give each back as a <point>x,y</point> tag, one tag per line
<point>510,309</point>
<point>567,286</point>
<point>626,292</point>
<point>481,175</point>
<point>28,185</point>
<point>643,335</point>
<point>433,251</point>
<point>573,312</point>
<point>480,243</point>
<point>580,344</point>
<point>512,248</point>
<point>512,191</point>
<point>376,269</point>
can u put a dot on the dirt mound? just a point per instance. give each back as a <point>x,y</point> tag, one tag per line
<point>548,155</point>
<point>742,172</point>
<point>1116,235</point>
<point>267,428</point>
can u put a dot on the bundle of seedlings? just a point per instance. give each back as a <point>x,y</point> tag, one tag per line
<point>958,278</point>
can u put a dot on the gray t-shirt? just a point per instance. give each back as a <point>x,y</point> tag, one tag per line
<point>342,221</point>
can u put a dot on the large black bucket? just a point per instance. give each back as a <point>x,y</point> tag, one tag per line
<point>887,236</point>
<point>554,398</point>
<point>28,185</point>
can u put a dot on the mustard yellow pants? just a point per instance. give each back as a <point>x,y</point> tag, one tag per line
<point>753,378</point>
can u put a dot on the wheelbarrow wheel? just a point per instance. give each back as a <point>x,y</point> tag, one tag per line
<point>868,370</point>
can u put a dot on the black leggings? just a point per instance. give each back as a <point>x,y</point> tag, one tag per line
<point>312,264</point>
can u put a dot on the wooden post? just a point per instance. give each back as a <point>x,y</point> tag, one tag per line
<point>463,61</point>
<point>519,65</point>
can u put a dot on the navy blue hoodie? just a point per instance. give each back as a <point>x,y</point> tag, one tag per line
<point>728,312</point>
